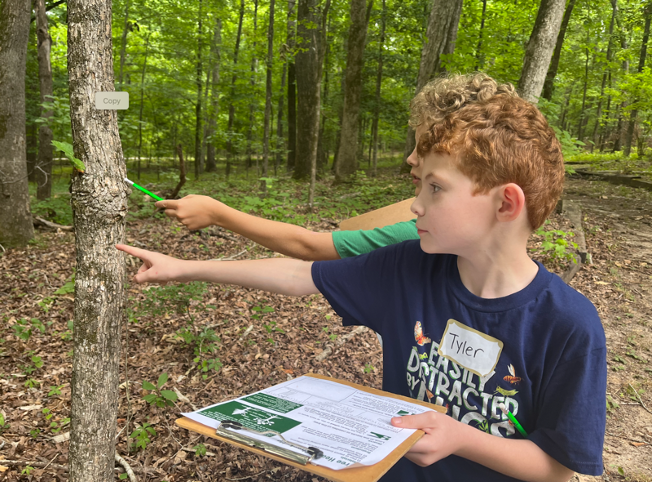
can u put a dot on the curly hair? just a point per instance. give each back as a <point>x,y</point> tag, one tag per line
<point>502,140</point>
<point>444,95</point>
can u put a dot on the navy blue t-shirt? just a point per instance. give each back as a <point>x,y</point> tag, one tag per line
<point>550,372</point>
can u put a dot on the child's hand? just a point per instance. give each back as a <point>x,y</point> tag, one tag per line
<point>444,436</point>
<point>156,268</point>
<point>193,211</point>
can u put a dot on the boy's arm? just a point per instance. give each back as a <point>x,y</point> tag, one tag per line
<point>197,212</point>
<point>520,459</point>
<point>278,275</point>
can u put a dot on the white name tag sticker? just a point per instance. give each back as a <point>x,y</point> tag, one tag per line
<point>469,348</point>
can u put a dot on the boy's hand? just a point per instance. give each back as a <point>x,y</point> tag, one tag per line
<point>444,436</point>
<point>194,211</point>
<point>156,268</point>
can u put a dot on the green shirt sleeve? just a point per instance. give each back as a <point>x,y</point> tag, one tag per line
<point>354,243</point>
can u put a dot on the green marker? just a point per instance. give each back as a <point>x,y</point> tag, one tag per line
<point>131,183</point>
<point>512,419</point>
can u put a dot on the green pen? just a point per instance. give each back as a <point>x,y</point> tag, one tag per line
<point>512,419</point>
<point>131,183</point>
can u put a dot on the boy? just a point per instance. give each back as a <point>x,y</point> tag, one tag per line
<point>470,321</point>
<point>430,105</point>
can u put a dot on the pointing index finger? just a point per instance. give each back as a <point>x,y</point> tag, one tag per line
<point>166,204</point>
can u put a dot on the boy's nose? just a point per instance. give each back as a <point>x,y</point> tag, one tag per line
<point>417,207</point>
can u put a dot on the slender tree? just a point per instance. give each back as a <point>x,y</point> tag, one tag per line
<point>142,102</point>
<point>199,158</point>
<point>538,52</point>
<point>549,83</point>
<point>647,13</point>
<point>441,34</point>
<point>348,149</point>
<point>268,87</point>
<point>605,75</point>
<point>229,143</point>
<point>292,87</point>
<point>379,79</point>
<point>99,203</point>
<point>252,83</point>
<point>215,98</point>
<point>479,56</point>
<point>123,44</point>
<point>279,120</point>
<point>45,150</point>
<point>16,227</point>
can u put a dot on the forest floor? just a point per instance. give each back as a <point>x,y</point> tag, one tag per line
<point>255,340</point>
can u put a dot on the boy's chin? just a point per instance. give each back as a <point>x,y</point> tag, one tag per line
<point>430,248</point>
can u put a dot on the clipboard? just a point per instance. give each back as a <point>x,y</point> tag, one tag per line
<point>367,473</point>
<point>379,218</point>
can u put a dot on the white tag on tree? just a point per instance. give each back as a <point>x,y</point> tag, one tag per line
<point>469,348</point>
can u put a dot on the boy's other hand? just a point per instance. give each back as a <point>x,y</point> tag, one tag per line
<point>193,211</point>
<point>156,268</point>
<point>443,436</point>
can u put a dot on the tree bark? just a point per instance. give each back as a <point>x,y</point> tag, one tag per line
<point>348,149</point>
<point>99,203</point>
<point>549,83</point>
<point>292,89</point>
<point>441,35</point>
<point>45,149</point>
<point>311,30</point>
<point>641,65</point>
<point>211,164</point>
<point>199,158</point>
<point>268,87</point>
<point>538,52</point>
<point>16,227</point>
<point>229,130</point>
<point>379,78</point>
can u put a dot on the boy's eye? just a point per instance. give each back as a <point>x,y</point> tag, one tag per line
<point>435,188</point>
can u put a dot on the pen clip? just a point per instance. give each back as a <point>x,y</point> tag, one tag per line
<point>227,429</point>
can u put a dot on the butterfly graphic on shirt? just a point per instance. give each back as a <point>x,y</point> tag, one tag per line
<point>419,336</point>
<point>512,378</point>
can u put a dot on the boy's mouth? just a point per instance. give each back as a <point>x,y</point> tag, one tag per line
<point>415,180</point>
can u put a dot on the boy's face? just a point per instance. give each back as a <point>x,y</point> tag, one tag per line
<point>415,161</point>
<point>451,219</point>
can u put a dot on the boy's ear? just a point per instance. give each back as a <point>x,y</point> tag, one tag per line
<point>512,202</point>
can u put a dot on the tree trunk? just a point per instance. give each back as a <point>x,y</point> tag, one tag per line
<point>99,203</point>
<point>538,52</point>
<point>123,44</point>
<point>199,158</point>
<point>279,121</point>
<point>215,100</point>
<point>229,130</point>
<point>549,83</point>
<point>308,71</point>
<point>379,78</point>
<point>580,127</point>
<point>16,227</point>
<point>441,32</point>
<point>641,66</point>
<point>45,150</point>
<point>598,115</point>
<point>142,101</point>
<point>252,83</point>
<point>347,150</point>
<point>479,58</point>
<point>292,89</point>
<point>268,87</point>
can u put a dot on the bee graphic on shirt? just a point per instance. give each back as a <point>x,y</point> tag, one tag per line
<point>512,378</point>
<point>419,336</point>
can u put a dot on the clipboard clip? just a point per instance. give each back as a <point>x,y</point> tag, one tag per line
<point>227,427</point>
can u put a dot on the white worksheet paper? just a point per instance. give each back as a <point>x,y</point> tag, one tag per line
<point>350,426</point>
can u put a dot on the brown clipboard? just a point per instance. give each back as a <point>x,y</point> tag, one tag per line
<point>392,214</point>
<point>369,473</point>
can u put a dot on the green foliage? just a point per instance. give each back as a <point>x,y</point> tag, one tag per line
<point>200,450</point>
<point>161,300</point>
<point>3,423</point>
<point>159,398</point>
<point>142,436</point>
<point>68,287</point>
<point>55,427</point>
<point>368,368</point>
<point>556,243</point>
<point>56,208</point>
<point>36,363</point>
<point>68,151</point>
<point>55,390</point>
<point>24,328</point>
